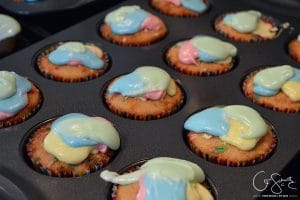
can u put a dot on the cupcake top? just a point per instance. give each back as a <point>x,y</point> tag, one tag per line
<point>146,81</point>
<point>206,49</point>
<point>237,125</point>
<point>298,38</point>
<point>194,5</point>
<point>162,178</point>
<point>131,19</point>
<point>13,93</point>
<point>285,78</point>
<point>76,53</point>
<point>9,27</point>
<point>74,136</point>
<point>249,22</point>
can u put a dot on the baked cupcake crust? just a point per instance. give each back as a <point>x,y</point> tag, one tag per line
<point>294,49</point>
<point>142,109</point>
<point>279,102</point>
<point>170,9</point>
<point>68,73</point>
<point>47,164</point>
<point>141,38</point>
<point>232,156</point>
<point>34,101</point>
<point>232,34</point>
<point>200,68</point>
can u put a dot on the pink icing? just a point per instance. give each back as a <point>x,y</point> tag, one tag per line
<point>74,62</point>
<point>155,95</point>
<point>102,148</point>
<point>175,2</point>
<point>142,190</point>
<point>5,115</point>
<point>151,23</point>
<point>188,53</point>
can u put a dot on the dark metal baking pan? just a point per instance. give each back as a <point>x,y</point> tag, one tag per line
<point>146,139</point>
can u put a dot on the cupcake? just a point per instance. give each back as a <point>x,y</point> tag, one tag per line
<point>132,26</point>
<point>202,55</point>
<point>146,93</point>
<point>246,26</point>
<point>9,29</point>
<point>181,8</point>
<point>72,62</point>
<point>294,49</point>
<point>19,98</point>
<point>72,145</point>
<point>160,178</point>
<point>233,135</point>
<point>277,88</point>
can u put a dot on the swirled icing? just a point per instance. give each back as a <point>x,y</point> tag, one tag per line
<point>206,49</point>
<point>75,53</point>
<point>13,93</point>
<point>147,81</point>
<point>194,5</point>
<point>161,178</point>
<point>130,20</point>
<point>73,136</point>
<point>9,27</point>
<point>285,78</point>
<point>238,125</point>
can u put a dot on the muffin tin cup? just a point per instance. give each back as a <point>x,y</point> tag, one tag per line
<point>148,139</point>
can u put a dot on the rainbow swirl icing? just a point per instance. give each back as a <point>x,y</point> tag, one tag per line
<point>206,49</point>
<point>146,81</point>
<point>250,22</point>
<point>76,53</point>
<point>74,136</point>
<point>270,81</point>
<point>194,5</point>
<point>164,178</point>
<point>131,19</point>
<point>13,93</point>
<point>9,27</point>
<point>237,125</point>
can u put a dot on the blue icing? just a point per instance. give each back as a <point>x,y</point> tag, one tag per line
<point>206,57</point>
<point>260,90</point>
<point>126,20</point>
<point>128,85</point>
<point>18,101</point>
<point>164,189</point>
<point>87,58</point>
<point>228,19</point>
<point>68,137</point>
<point>212,121</point>
<point>296,76</point>
<point>195,5</point>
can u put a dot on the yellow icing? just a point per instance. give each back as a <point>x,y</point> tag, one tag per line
<point>292,90</point>
<point>171,90</point>
<point>235,133</point>
<point>196,191</point>
<point>265,30</point>
<point>55,146</point>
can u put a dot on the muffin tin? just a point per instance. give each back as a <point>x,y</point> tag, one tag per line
<point>146,139</point>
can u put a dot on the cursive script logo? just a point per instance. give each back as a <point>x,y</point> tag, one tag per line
<point>275,182</point>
